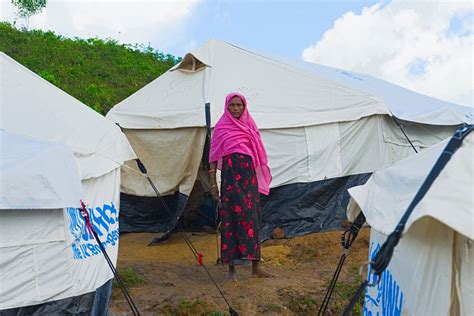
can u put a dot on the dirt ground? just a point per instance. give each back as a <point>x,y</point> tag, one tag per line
<point>170,282</point>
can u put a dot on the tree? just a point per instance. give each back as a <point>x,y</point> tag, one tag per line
<point>28,8</point>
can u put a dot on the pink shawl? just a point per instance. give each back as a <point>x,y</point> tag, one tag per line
<point>233,135</point>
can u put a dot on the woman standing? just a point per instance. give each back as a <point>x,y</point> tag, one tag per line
<point>237,150</point>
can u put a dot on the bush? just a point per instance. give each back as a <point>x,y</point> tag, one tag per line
<point>99,73</point>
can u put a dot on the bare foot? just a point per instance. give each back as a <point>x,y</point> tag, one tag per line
<point>259,272</point>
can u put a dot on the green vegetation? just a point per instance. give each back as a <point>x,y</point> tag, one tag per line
<point>302,305</point>
<point>345,290</point>
<point>191,308</point>
<point>270,308</point>
<point>28,8</point>
<point>100,73</point>
<point>130,277</point>
<point>298,303</point>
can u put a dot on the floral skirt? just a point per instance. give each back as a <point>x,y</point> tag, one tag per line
<point>240,211</point>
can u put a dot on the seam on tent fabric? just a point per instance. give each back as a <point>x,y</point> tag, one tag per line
<point>455,302</point>
<point>338,150</point>
<point>382,153</point>
<point>70,259</point>
<point>38,296</point>
<point>308,171</point>
<point>207,94</point>
<point>32,243</point>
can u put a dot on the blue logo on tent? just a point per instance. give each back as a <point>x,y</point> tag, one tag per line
<point>77,223</point>
<point>104,221</point>
<point>388,297</point>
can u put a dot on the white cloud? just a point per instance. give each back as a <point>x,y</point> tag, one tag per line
<point>425,46</point>
<point>157,22</point>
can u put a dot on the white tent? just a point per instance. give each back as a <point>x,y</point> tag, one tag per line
<point>316,122</point>
<point>39,181</point>
<point>31,106</point>
<point>432,271</point>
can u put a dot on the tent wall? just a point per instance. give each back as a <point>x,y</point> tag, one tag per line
<point>312,166</point>
<point>102,197</point>
<point>171,156</point>
<point>464,269</point>
<point>421,285</point>
<point>50,256</point>
<point>314,153</point>
<point>31,239</point>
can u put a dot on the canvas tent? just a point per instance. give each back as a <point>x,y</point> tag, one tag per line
<point>31,106</point>
<point>431,271</point>
<point>324,129</point>
<point>39,181</point>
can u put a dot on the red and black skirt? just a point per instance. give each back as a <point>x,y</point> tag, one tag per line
<point>240,211</point>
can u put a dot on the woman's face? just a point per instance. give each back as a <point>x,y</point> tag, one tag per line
<point>236,107</point>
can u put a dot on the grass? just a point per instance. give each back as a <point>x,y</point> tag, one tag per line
<point>270,308</point>
<point>186,307</point>
<point>302,305</point>
<point>130,277</point>
<point>345,290</point>
<point>299,303</point>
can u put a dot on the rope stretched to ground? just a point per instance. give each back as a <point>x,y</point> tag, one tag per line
<point>384,255</point>
<point>131,303</point>
<point>196,253</point>
<point>347,239</point>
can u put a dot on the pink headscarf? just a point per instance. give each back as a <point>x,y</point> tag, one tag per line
<point>233,135</point>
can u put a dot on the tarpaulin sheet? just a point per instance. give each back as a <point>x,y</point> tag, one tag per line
<point>304,208</point>
<point>148,214</point>
<point>75,305</point>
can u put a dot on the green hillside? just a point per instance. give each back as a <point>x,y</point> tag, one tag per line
<point>100,73</point>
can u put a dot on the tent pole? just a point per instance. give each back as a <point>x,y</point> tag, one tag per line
<point>207,148</point>
<point>405,134</point>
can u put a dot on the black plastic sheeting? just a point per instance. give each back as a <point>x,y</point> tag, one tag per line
<point>102,299</point>
<point>303,208</point>
<point>77,305</point>
<point>298,209</point>
<point>147,214</point>
<point>93,303</point>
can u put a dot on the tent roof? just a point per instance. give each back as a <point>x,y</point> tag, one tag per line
<point>388,193</point>
<point>403,103</point>
<point>37,174</point>
<point>281,93</point>
<point>32,106</point>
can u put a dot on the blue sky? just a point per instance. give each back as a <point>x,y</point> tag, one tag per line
<point>282,28</point>
<point>423,45</point>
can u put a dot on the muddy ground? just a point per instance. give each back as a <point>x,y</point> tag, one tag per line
<point>166,279</point>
